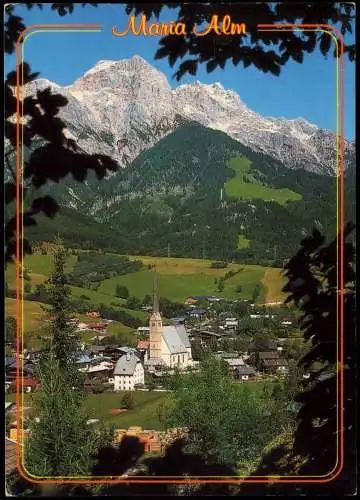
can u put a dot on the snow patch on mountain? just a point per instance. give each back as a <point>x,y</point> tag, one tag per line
<point>121,108</point>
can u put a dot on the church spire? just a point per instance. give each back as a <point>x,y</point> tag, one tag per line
<point>155,293</point>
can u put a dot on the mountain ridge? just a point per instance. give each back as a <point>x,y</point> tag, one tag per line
<point>131,105</point>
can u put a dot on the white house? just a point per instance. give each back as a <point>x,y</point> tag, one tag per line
<point>231,323</point>
<point>128,372</point>
<point>143,330</point>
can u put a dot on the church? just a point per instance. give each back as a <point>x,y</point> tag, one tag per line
<point>169,346</point>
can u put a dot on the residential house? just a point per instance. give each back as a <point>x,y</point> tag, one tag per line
<point>234,363</point>
<point>83,360</point>
<point>197,313</point>
<point>271,362</point>
<point>98,327</point>
<point>180,320</point>
<point>113,352</point>
<point>128,372</point>
<point>96,350</point>
<point>227,355</point>
<point>30,384</point>
<point>207,338</point>
<point>143,330</point>
<point>11,369</point>
<point>244,372</point>
<point>32,354</point>
<point>231,323</point>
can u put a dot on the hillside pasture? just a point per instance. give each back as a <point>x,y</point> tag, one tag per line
<point>245,186</point>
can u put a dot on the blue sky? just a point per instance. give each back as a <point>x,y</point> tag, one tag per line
<point>302,90</point>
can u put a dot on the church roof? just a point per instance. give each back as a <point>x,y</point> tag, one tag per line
<point>174,339</point>
<point>183,335</point>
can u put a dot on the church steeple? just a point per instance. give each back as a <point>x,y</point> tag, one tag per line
<point>155,293</point>
<point>156,326</point>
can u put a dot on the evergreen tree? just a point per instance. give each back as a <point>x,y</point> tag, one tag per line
<point>60,442</point>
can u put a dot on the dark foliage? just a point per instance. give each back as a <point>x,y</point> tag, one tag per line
<point>267,51</point>
<point>313,285</point>
<point>51,162</point>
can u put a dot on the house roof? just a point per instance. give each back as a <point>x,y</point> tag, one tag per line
<point>268,344</point>
<point>9,362</point>
<point>245,370</point>
<point>96,348</point>
<point>269,355</point>
<point>198,311</point>
<point>205,332</point>
<point>30,382</point>
<point>228,355</point>
<point>97,359</point>
<point>126,364</point>
<point>10,456</point>
<point>83,359</point>
<point>234,361</point>
<point>174,339</point>
<point>275,362</point>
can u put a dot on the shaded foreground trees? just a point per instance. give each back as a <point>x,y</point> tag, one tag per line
<point>267,51</point>
<point>313,283</point>
<point>220,416</point>
<point>60,443</point>
<point>52,161</point>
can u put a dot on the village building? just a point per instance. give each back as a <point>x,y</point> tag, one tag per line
<point>231,323</point>
<point>128,373</point>
<point>169,346</point>
<point>244,372</point>
<point>197,313</point>
<point>271,362</point>
<point>143,330</point>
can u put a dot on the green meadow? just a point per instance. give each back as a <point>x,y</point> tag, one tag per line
<point>245,186</point>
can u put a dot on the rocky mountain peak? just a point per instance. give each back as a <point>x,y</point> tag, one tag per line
<point>120,108</point>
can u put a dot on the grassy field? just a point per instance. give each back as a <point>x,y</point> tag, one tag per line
<point>178,279</point>
<point>272,282</point>
<point>243,242</point>
<point>245,186</point>
<point>144,414</point>
<point>34,322</point>
<point>178,287</point>
<point>33,313</point>
<point>38,267</point>
<point>181,278</point>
